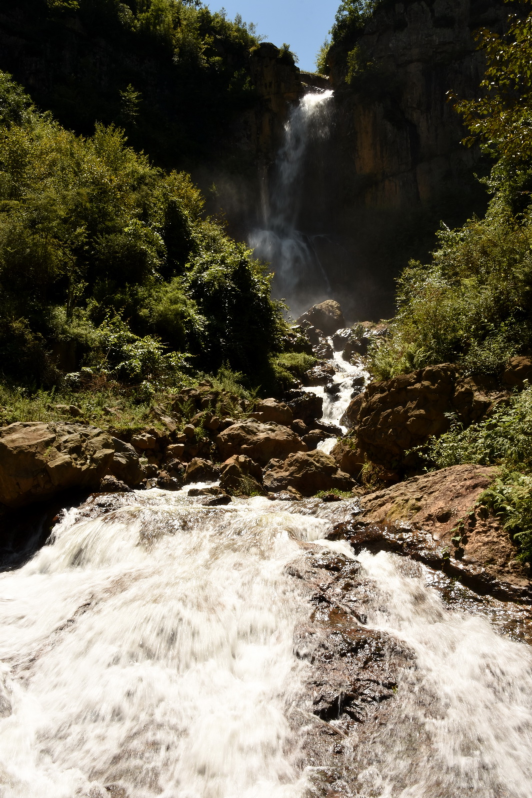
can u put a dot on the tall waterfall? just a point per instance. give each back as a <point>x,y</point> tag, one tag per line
<point>148,652</point>
<point>294,256</point>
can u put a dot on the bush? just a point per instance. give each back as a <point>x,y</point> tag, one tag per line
<point>504,439</point>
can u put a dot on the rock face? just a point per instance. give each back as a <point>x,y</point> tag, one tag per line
<point>241,476</point>
<point>306,473</point>
<point>327,317</point>
<point>259,441</point>
<point>272,410</point>
<point>38,460</point>
<point>434,518</point>
<point>396,415</point>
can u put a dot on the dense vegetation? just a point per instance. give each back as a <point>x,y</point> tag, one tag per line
<point>472,304</point>
<point>109,271</point>
<point>172,73</point>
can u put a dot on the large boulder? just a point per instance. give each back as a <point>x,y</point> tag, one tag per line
<point>241,476</point>
<point>39,460</point>
<point>394,416</point>
<point>272,410</point>
<point>125,464</point>
<point>259,441</point>
<point>308,473</point>
<point>326,317</point>
<point>305,405</point>
<point>199,470</point>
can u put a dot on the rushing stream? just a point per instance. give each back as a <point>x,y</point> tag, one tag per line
<point>148,651</point>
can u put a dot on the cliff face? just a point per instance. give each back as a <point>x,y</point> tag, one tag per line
<point>400,133</point>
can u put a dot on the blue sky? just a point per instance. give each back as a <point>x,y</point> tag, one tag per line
<point>303,24</point>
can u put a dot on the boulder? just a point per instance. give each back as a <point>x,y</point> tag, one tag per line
<point>144,441</point>
<point>199,470</point>
<point>320,374</point>
<point>111,484</point>
<point>241,476</point>
<point>272,410</point>
<point>125,465</point>
<point>259,441</point>
<point>327,317</point>
<point>314,437</point>
<point>308,473</point>
<point>518,369</point>
<point>435,518</point>
<point>39,460</point>
<point>167,482</point>
<point>396,415</point>
<point>305,405</point>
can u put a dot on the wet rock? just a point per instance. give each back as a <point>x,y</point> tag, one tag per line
<point>320,374</point>
<point>214,490</point>
<point>434,518</point>
<point>308,473</point>
<point>111,484</point>
<point>199,470</point>
<point>305,405</point>
<point>299,427</point>
<point>323,351</point>
<point>39,460</point>
<point>217,501</point>
<point>333,388</point>
<point>259,441</point>
<point>125,464</point>
<point>326,317</point>
<point>271,410</point>
<point>241,476</point>
<point>167,482</point>
<point>314,437</point>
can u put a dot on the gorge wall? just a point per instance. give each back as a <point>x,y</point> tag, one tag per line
<point>371,196</point>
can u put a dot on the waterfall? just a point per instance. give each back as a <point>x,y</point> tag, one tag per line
<point>299,275</point>
<point>148,650</point>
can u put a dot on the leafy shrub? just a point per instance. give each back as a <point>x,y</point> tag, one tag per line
<point>472,305</point>
<point>504,439</point>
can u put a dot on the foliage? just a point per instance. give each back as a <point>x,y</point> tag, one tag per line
<point>110,258</point>
<point>322,66</point>
<point>510,497</point>
<point>176,74</point>
<point>472,305</point>
<point>503,439</point>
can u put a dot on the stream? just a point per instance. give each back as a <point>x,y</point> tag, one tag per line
<point>159,648</point>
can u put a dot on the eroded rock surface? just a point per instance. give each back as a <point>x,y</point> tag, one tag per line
<point>260,442</point>
<point>308,473</point>
<point>39,460</point>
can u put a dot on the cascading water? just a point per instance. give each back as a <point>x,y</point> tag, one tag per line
<point>149,651</point>
<point>294,256</point>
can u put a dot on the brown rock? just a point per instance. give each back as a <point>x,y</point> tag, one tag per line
<point>327,317</point>
<point>314,437</point>
<point>111,484</point>
<point>167,482</point>
<point>518,369</point>
<point>241,476</point>
<point>199,470</point>
<point>272,410</point>
<point>434,518</point>
<point>308,473</point>
<point>348,457</point>
<point>305,405</point>
<point>189,431</point>
<point>320,374</point>
<point>38,460</point>
<point>259,441</point>
<point>144,441</point>
<point>176,450</point>
<point>125,464</point>
<point>396,415</point>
